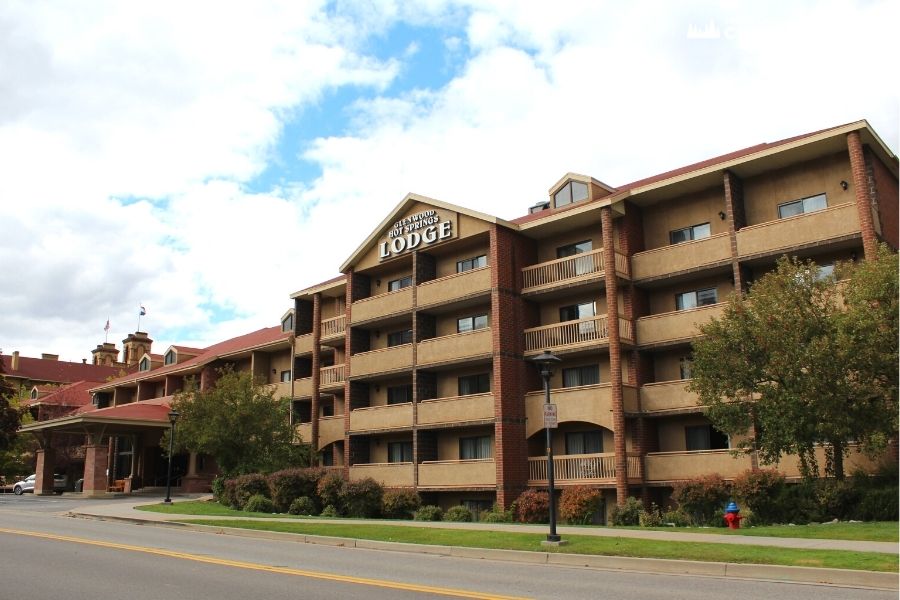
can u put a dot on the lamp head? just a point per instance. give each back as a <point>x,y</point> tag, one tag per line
<point>173,416</point>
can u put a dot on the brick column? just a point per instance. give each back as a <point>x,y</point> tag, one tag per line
<point>316,373</point>
<point>351,293</point>
<point>96,462</point>
<point>863,199</point>
<point>615,353</point>
<point>43,482</point>
<point>735,219</point>
<point>423,267</point>
<point>508,254</point>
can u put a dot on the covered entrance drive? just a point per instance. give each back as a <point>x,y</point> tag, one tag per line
<point>121,448</point>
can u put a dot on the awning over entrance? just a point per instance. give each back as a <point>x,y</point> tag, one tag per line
<point>128,418</point>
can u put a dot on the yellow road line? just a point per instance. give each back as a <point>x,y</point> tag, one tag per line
<point>396,585</point>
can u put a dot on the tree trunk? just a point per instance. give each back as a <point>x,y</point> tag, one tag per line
<point>838,448</point>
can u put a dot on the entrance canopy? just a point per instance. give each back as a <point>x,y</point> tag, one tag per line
<point>134,417</point>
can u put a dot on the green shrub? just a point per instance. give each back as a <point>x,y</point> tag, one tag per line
<point>362,498</point>
<point>532,506</point>
<point>676,517</point>
<point>218,488</point>
<point>329,490</point>
<point>797,504</point>
<point>400,504</point>
<point>578,504</point>
<point>229,494</point>
<point>836,499</point>
<point>259,503</point>
<point>651,517</point>
<point>329,511</point>
<point>289,484</point>
<point>249,485</point>
<point>304,505</point>
<point>496,517</point>
<point>628,513</point>
<point>703,498</point>
<point>429,512</point>
<point>759,491</point>
<point>878,504</point>
<point>459,514</point>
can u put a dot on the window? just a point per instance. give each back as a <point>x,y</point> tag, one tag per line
<point>399,284</point>
<point>585,375</point>
<point>400,337</point>
<point>686,367</point>
<point>705,437</point>
<point>327,409</point>
<point>34,393</point>
<point>574,191</point>
<point>573,249</point>
<point>400,452</point>
<point>327,458</point>
<point>825,271</point>
<point>697,298</point>
<point>573,312</point>
<point>474,448</point>
<point>474,384</point>
<point>169,358</point>
<point>694,232</point>
<point>802,206</point>
<point>285,376</point>
<point>145,364</point>
<point>288,323</point>
<point>584,442</point>
<point>476,507</point>
<point>471,263</point>
<point>399,394</point>
<point>471,323</point>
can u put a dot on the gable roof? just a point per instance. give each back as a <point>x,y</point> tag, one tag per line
<point>402,208</point>
<point>74,394</point>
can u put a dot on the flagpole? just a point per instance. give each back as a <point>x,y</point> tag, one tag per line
<point>140,312</point>
<point>106,329</point>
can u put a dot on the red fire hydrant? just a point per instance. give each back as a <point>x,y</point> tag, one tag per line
<point>732,518</point>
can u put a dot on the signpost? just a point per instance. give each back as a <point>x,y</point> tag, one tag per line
<point>550,418</point>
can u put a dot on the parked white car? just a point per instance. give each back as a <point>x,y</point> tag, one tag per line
<point>27,484</point>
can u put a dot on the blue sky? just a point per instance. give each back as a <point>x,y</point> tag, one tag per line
<point>208,168</point>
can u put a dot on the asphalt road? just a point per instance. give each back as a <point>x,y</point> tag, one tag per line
<point>51,556</point>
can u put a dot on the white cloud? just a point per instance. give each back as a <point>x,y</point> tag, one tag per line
<point>175,115</point>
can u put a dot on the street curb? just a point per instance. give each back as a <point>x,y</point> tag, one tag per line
<point>776,573</point>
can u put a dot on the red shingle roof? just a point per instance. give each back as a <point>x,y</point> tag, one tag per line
<point>56,371</point>
<point>75,394</point>
<point>156,409</point>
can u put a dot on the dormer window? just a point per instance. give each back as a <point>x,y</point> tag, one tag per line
<point>170,357</point>
<point>287,324</point>
<point>573,191</point>
<point>34,393</point>
<point>144,364</point>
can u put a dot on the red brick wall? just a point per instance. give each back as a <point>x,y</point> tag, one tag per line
<point>96,461</point>
<point>886,196</point>
<point>863,200</point>
<point>508,254</point>
<point>316,364</point>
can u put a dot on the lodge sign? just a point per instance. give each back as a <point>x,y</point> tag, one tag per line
<point>420,229</point>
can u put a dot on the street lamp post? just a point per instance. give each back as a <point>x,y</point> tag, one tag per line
<point>545,362</point>
<point>173,417</point>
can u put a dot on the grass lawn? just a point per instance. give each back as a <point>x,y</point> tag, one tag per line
<point>578,544</point>
<point>507,540</point>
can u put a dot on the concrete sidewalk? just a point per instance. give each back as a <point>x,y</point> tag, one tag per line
<point>123,509</point>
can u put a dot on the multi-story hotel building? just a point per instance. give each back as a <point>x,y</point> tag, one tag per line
<point>412,366</point>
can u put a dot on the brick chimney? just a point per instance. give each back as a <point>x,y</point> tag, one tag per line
<point>46,356</point>
<point>15,360</point>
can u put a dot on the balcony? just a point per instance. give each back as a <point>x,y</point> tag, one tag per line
<point>376,307</point>
<point>454,287</point>
<point>378,418</point>
<point>790,463</point>
<point>661,262</point>
<point>282,389</point>
<point>588,403</point>
<point>303,344</point>
<point>677,326</point>
<point>571,270</point>
<point>303,433</point>
<point>673,466</point>
<point>810,228</point>
<point>331,429</point>
<point>383,360</point>
<point>462,409</point>
<point>303,387</point>
<point>579,469</point>
<point>456,347</point>
<point>571,335</point>
<point>668,396</point>
<point>331,377</point>
<point>389,474</point>
<point>333,329</point>
<point>450,474</point>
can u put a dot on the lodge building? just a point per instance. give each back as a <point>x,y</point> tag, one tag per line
<point>412,367</point>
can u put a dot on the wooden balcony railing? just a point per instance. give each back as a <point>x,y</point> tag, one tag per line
<point>573,333</point>
<point>334,326</point>
<point>591,468</point>
<point>331,375</point>
<point>561,269</point>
